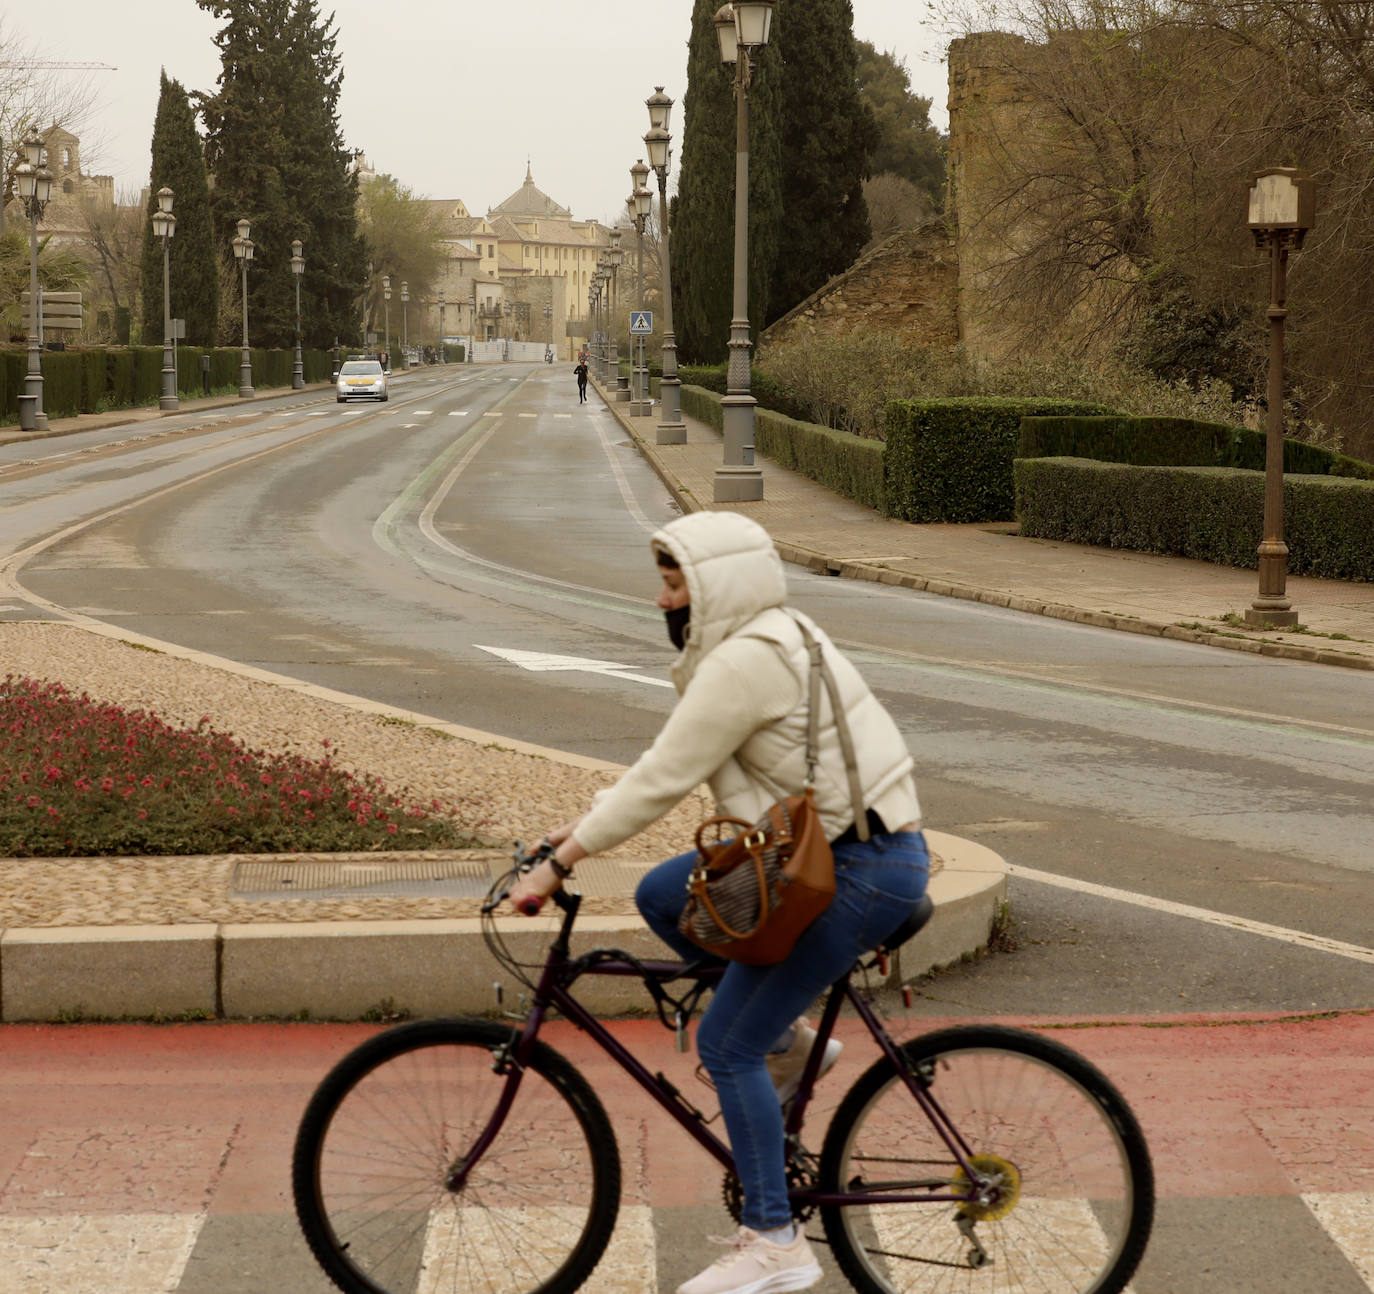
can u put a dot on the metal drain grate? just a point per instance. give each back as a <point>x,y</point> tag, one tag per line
<point>410,879</point>
<point>337,879</point>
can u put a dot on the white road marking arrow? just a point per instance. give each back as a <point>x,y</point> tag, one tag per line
<point>541,662</point>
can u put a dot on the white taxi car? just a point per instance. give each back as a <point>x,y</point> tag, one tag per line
<point>361,379</point>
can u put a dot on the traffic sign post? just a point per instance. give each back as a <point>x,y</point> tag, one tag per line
<point>641,323</point>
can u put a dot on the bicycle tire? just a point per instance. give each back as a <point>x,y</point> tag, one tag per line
<point>377,1138</point>
<point>1074,1202</point>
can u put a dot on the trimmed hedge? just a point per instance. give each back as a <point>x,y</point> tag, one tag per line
<point>94,379</point>
<point>950,460</point>
<point>1215,514</point>
<point>769,394</point>
<point>703,405</point>
<point>1175,442</point>
<point>848,464</point>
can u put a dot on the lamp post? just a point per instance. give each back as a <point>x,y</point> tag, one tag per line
<point>1282,208</point>
<point>742,29</point>
<point>443,352</point>
<point>615,256</point>
<point>671,429</point>
<point>33,181</point>
<point>643,208</point>
<point>386,316</point>
<point>243,253</point>
<point>599,344</point>
<point>405,324</point>
<point>164,226</point>
<point>298,269</point>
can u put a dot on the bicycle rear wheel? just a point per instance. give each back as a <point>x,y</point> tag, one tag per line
<point>1065,1196</point>
<point>391,1120</point>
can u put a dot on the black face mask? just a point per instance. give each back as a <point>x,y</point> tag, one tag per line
<point>678,619</point>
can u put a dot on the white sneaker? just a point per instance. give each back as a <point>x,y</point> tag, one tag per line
<point>785,1067</point>
<point>757,1266</point>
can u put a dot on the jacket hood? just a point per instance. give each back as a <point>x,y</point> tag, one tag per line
<point>732,572</point>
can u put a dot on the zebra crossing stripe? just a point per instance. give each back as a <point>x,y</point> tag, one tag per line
<point>1349,1220</point>
<point>89,1253</point>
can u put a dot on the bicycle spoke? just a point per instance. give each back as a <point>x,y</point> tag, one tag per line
<point>1056,1201</point>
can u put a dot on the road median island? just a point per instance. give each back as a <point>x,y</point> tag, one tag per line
<point>335,935</point>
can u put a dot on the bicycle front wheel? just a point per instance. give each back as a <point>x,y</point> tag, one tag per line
<point>1057,1196</point>
<point>382,1137</point>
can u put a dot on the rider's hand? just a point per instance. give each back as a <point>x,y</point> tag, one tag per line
<point>539,883</point>
<point>559,834</point>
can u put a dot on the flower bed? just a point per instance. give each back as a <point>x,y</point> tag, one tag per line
<point>79,777</point>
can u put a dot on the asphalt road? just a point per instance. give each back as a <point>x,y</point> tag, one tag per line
<point>411,552</point>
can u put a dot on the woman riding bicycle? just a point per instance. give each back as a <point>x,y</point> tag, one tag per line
<point>740,725</point>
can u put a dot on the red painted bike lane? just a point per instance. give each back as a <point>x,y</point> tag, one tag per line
<point>196,1122</point>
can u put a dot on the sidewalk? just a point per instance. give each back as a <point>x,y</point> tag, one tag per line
<point>1171,597</point>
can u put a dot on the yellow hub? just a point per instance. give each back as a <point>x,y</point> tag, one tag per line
<point>1005,1179</point>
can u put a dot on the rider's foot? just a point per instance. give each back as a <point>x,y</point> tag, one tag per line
<point>757,1266</point>
<point>785,1067</point>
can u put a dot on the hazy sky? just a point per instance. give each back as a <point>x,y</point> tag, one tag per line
<point>439,99</point>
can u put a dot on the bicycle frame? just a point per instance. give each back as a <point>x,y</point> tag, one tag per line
<point>560,972</point>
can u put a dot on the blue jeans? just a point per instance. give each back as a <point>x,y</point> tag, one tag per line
<point>877,883</point>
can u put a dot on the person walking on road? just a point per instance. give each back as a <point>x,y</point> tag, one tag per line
<point>741,725</point>
<point>581,371</point>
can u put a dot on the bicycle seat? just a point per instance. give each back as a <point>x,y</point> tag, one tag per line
<point>920,914</point>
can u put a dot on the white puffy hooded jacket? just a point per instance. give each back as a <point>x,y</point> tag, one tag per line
<point>743,683</point>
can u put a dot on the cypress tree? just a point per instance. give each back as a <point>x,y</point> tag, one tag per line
<point>830,135</point>
<point>179,164</point>
<point>704,211</point>
<point>276,151</point>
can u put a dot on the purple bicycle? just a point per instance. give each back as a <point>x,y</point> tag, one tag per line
<point>468,1155</point>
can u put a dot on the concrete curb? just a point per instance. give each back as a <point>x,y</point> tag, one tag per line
<point>364,969</point>
<point>815,561</point>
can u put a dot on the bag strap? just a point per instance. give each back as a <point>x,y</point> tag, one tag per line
<point>820,669</point>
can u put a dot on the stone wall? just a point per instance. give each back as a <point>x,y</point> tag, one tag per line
<point>906,286</point>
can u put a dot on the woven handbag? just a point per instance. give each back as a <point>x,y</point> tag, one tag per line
<point>750,897</point>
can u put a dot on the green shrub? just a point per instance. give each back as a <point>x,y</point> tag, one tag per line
<point>951,460</point>
<point>1214,514</point>
<point>703,405</point>
<point>62,372</point>
<point>1175,442</point>
<point>848,464</point>
<point>119,379</point>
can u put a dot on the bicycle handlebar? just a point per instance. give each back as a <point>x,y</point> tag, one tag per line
<point>525,862</point>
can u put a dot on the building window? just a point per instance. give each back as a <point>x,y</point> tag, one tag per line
<point>491,250</point>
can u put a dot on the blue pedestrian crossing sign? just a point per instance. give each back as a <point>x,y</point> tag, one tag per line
<point>641,322</point>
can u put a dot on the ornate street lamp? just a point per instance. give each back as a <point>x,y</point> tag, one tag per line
<point>297,269</point>
<point>443,351</point>
<point>742,29</point>
<point>164,226</point>
<point>671,429</point>
<point>243,253</point>
<point>614,257</point>
<point>33,183</point>
<point>386,315</point>
<point>640,204</point>
<point>405,324</point>
<point>1282,208</point>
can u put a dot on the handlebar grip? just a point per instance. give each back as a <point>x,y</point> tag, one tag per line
<point>531,905</point>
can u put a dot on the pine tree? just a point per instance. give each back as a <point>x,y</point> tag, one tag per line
<point>829,137</point>
<point>276,151</point>
<point>704,211</point>
<point>179,164</point>
<point>908,145</point>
